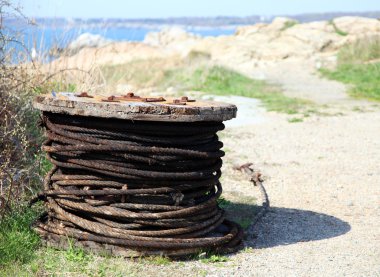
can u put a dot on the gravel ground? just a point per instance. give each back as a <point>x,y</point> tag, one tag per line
<point>302,81</point>
<point>300,78</point>
<point>323,180</point>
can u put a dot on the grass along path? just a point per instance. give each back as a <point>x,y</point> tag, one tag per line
<point>219,80</point>
<point>359,66</point>
<point>192,75</point>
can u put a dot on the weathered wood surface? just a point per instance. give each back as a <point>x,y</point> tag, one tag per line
<point>69,103</point>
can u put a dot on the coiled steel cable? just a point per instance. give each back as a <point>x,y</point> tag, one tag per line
<point>149,187</point>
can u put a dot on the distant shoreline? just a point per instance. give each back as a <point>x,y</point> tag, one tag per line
<point>184,22</point>
<point>56,33</point>
<point>44,39</point>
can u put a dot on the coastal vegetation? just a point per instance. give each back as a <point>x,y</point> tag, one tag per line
<point>337,29</point>
<point>359,66</point>
<point>289,24</point>
<point>22,253</point>
<point>18,241</point>
<point>23,165</point>
<point>20,157</point>
<point>203,78</point>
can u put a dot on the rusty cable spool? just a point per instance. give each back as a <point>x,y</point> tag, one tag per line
<point>135,177</point>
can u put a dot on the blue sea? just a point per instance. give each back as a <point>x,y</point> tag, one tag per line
<point>44,38</point>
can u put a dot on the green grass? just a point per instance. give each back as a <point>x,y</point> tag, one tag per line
<point>223,203</point>
<point>337,30</point>
<point>158,260</point>
<point>219,80</point>
<point>44,164</point>
<point>359,66</point>
<point>72,262</point>
<point>295,120</point>
<point>289,24</point>
<point>248,250</point>
<point>360,51</point>
<point>17,241</point>
<point>239,208</point>
<point>138,73</point>
<point>76,254</point>
<point>55,86</point>
<point>193,74</point>
<point>244,222</point>
<point>22,254</point>
<point>364,78</point>
<point>214,259</point>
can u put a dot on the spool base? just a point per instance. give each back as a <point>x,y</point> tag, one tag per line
<point>63,242</point>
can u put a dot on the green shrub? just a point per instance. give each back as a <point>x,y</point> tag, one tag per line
<point>360,51</point>
<point>17,241</point>
<point>359,66</point>
<point>219,80</point>
<point>289,24</point>
<point>337,30</point>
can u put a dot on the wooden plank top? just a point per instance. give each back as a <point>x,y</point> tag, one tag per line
<point>135,107</point>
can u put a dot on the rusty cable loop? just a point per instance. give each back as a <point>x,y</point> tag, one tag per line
<point>257,180</point>
<point>142,188</point>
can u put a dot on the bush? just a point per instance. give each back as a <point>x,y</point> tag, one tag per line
<point>17,241</point>
<point>19,134</point>
<point>361,51</point>
<point>359,65</point>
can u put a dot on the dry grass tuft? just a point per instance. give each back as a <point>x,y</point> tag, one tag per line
<point>22,164</point>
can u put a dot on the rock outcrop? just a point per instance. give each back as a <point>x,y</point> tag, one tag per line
<point>250,46</point>
<point>174,38</point>
<point>86,40</point>
<point>358,26</point>
<point>169,36</point>
<point>284,38</point>
<point>110,54</point>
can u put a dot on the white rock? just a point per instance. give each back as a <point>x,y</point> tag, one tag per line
<point>355,25</point>
<point>168,35</point>
<point>87,40</point>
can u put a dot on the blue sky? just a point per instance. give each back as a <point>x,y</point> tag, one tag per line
<point>175,8</point>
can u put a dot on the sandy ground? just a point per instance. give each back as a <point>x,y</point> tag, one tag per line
<point>323,180</point>
<point>322,176</point>
<point>299,78</point>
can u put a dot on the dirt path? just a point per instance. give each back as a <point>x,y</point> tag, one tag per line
<point>323,178</point>
<point>300,79</point>
<point>303,81</point>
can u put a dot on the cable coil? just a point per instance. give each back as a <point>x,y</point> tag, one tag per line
<point>136,187</point>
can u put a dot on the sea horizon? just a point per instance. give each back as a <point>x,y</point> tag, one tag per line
<point>41,34</point>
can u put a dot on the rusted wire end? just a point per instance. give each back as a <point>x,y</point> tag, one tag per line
<point>257,181</point>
